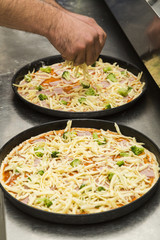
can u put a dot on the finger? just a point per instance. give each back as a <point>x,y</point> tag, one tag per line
<point>98,48</point>
<point>68,55</point>
<point>102,35</point>
<point>94,51</point>
<point>91,52</point>
<point>99,41</point>
<point>102,38</point>
<point>100,31</point>
<point>67,58</point>
<point>80,58</point>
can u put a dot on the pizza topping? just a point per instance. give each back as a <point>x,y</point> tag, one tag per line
<point>39,88</point>
<point>81,100</point>
<point>41,172</point>
<point>95,136</point>
<point>124,154</point>
<point>123,91</point>
<point>83,133</point>
<point>46,202</point>
<point>137,150</point>
<point>105,84</point>
<point>64,102</point>
<point>36,162</point>
<point>54,154</point>
<point>107,69</point>
<point>148,172</point>
<point>46,69</point>
<point>93,65</point>
<point>112,77</point>
<point>75,163</point>
<point>25,200</point>
<point>28,77</point>
<point>42,97</point>
<point>66,75</point>
<point>69,135</point>
<point>90,92</point>
<point>85,84</point>
<point>108,106</point>
<point>101,189</point>
<point>110,175</point>
<point>58,90</point>
<point>120,163</point>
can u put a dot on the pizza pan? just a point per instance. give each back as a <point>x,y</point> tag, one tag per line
<point>80,218</point>
<point>19,75</point>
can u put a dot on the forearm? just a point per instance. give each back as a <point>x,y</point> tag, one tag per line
<point>19,14</point>
<point>78,38</point>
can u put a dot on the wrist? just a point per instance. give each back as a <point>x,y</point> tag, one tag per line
<point>56,27</point>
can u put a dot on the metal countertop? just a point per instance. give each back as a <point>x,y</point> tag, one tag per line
<point>17,49</point>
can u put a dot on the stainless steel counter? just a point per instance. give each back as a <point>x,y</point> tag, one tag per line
<point>18,48</point>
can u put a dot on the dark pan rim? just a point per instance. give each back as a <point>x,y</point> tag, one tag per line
<point>79,218</point>
<point>90,114</point>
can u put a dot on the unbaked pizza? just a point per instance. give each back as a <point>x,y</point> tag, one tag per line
<point>64,87</point>
<point>79,170</point>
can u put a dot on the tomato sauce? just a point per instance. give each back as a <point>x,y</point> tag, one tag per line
<point>49,80</point>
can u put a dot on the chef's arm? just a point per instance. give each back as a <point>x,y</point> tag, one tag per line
<point>75,39</point>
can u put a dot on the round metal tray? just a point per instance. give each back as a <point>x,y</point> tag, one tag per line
<point>19,75</point>
<point>80,218</point>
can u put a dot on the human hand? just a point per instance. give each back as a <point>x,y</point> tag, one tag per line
<point>78,38</point>
<point>92,23</point>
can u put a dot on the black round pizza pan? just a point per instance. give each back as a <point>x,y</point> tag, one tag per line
<point>80,218</point>
<point>19,75</point>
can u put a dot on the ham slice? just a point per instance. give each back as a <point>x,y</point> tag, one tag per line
<point>46,92</point>
<point>76,87</point>
<point>147,172</point>
<point>84,133</point>
<point>131,79</point>
<point>54,83</point>
<point>36,162</point>
<point>105,84</point>
<point>25,200</point>
<point>58,71</point>
<point>66,82</point>
<point>66,99</point>
<point>58,90</point>
<point>38,140</point>
<point>56,66</point>
<point>122,81</point>
<point>44,104</point>
<point>124,143</point>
